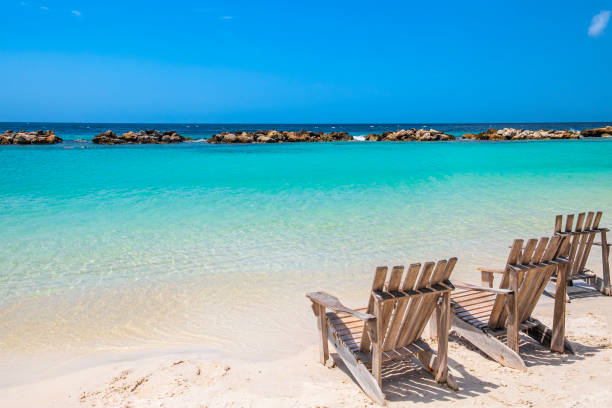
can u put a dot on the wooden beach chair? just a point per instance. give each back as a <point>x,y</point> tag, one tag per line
<point>582,238</point>
<point>390,327</point>
<point>482,314</point>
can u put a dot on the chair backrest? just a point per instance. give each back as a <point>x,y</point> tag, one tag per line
<point>581,236</point>
<point>408,300</point>
<point>534,265</point>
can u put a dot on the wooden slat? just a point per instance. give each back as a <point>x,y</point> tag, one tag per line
<point>597,220</point>
<point>579,222</point>
<point>582,246</point>
<point>558,223</point>
<point>450,266</point>
<point>526,258</point>
<point>539,252</point>
<point>531,295</point>
<point>395,278</point>
<point>528,286</point>
<point>551,250</point>
<point>498,306</point>
<point>402,303</point>
<point>377,284</point>
<point>589,243</point>
<point>414,303</point>
<point>541,277</point>
<point>430,301</point>
<point>528,252</point>
<point>398,353</point>
<point>569,223</point>
<point>575,240</point>
<point>482,309</point>
<point>477,299</point>
<point>413,323</point>
<point>389,304</point>
<point>467,295</point>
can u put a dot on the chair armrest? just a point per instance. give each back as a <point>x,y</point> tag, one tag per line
<point>482,269</point>
<point>331,302</point>
<point>464,285</point>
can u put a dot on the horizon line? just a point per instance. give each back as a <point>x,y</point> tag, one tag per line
<point>311,123</point>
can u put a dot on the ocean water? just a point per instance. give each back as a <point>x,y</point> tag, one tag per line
<point>118,249</point>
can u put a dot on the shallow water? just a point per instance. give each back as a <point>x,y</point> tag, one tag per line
<point>130,247</point>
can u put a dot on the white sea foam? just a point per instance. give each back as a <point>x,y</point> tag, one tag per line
<point>359,138</point>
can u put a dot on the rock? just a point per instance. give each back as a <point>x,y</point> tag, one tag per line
<point>408,135</point>
<point>148,136</point>
<point>230,138</point>
<point>22,137</point>
<point>597,132</point>
<point>275,136</point>
<point>80,141</point>
<point>130,136</point>
<point>245,138</point>
<point>522,134</point>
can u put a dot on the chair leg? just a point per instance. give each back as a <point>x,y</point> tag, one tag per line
<point>375,337</point>
<point>433,323</point>
<point>605,255</point>
<point>431,362</point>
<point>322,326</point>
<point>557,342</point>
<point>486,278</point>
<point>512,325</point>
<point>443,315</point>
<point>488,344</point>
<point>360,372</point>
<point>543,335</point>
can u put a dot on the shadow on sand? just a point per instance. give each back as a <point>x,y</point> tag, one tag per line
<point>407,380</point>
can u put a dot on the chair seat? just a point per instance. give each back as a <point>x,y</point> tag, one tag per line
<point>348,329</point>
<point>473,306</point>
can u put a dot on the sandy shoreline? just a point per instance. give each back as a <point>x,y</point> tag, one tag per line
<point>193,379</point>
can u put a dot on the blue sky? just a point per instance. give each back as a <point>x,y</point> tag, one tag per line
<point>300,62</point>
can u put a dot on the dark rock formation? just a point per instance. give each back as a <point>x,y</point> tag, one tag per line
<point>275,136</point>
<point>597,132</point>
<point>407,135</point>
<point>522,134</point>
<point>23,137</point>
<point>142,137</point>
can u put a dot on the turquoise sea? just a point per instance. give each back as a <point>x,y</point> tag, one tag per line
<point>131,248</point>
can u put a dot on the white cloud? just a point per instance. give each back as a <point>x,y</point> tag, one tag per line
<point>226,17</point>
<point>599,23</point>
<point>76,13</point>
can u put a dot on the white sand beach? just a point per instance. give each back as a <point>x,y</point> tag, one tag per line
<point>196,380</point>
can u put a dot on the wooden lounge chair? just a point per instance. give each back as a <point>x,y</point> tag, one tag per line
<point>482,314</point>
<point>390,327</point>
<point>582,237</point>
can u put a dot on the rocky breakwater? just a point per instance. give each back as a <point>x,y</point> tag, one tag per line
<point>142,137</point>
<point>408,135</point>
<point>275,136</point>
<point>22,137</point>
<point>597,132</point>
<point>522,134</point>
